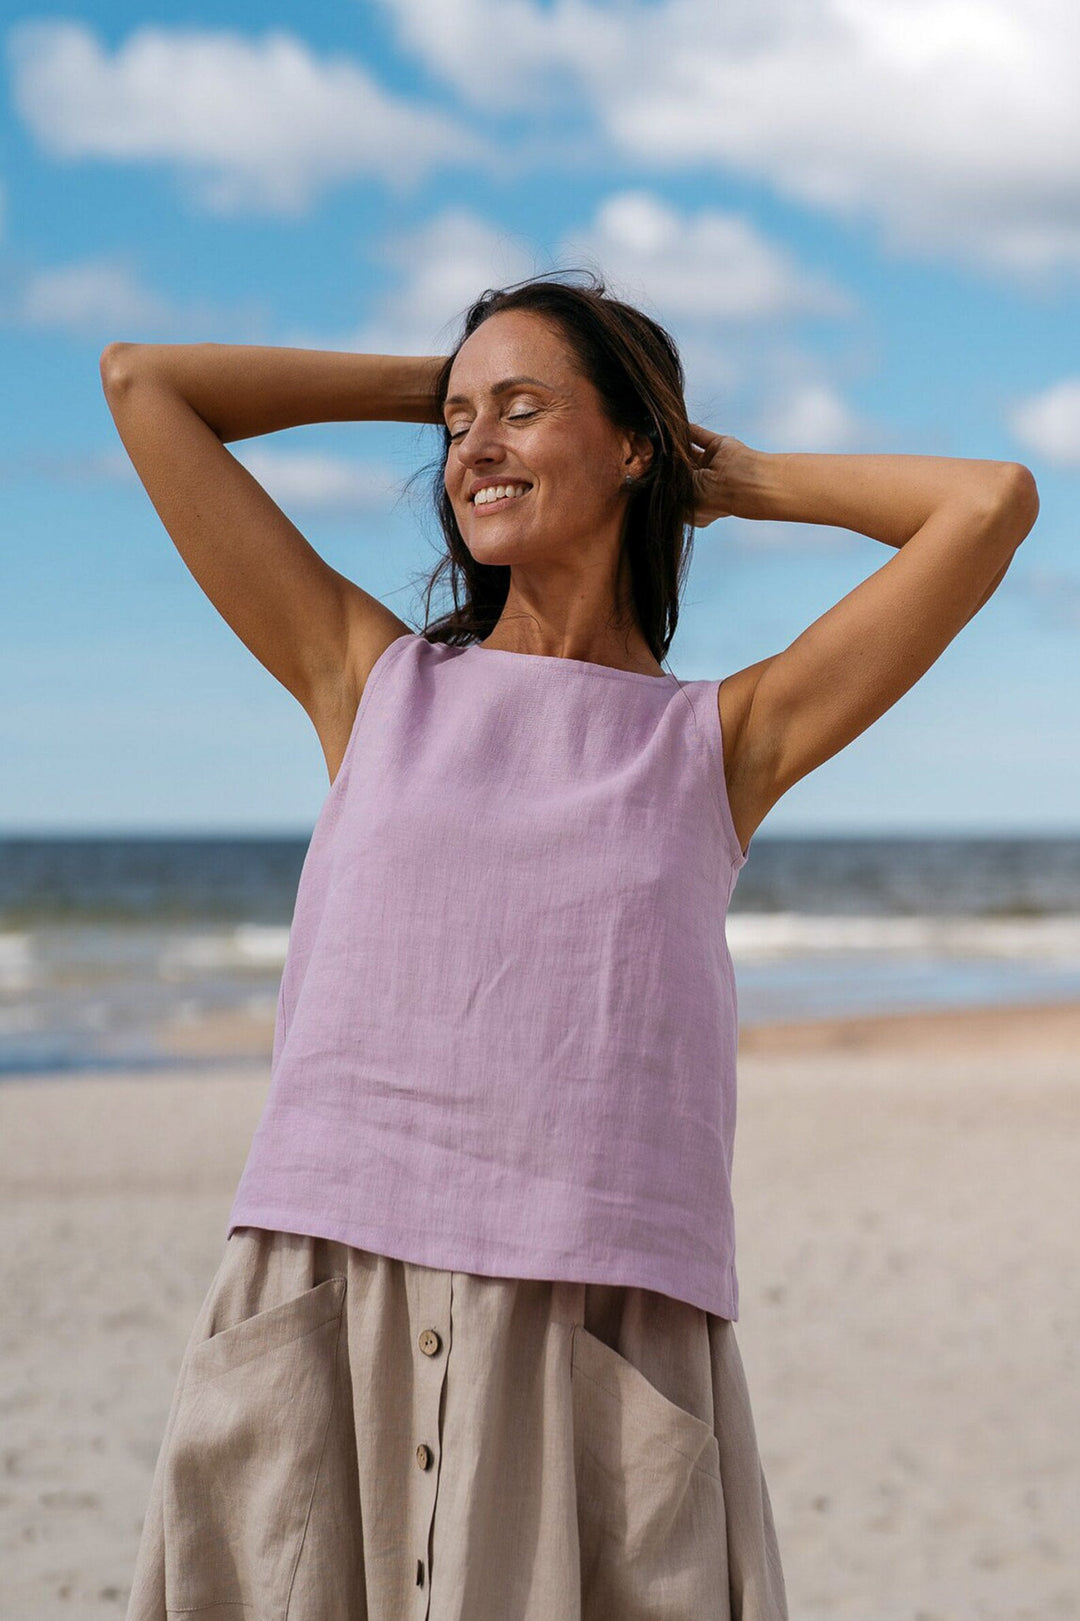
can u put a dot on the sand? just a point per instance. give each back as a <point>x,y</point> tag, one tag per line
<point>908,1194</point>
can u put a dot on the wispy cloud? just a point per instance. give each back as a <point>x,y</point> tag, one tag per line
<point>812,417</point>
<point>105,298</point>
<point>254,125</point>
<point>68,467</point>
<point>439,268</point>
<point>953,125</point>
<point>309,481</point>
<point>1053,593</point>
<point>1048,423</point>
<point>322,483</point>
<point>101,297</point>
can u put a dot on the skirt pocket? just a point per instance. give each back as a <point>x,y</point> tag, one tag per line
<point>650,1497</point>
<point>244,1456</point>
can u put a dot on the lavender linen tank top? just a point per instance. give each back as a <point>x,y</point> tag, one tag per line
<point>506,1028</point>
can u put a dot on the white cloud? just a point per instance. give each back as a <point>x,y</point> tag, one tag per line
<point>1032,251</point>
<point>762,537</point>
<point>812,417</point>
<point>697,269</point>
<point>92,294</point>
<point>439,269</point>
<point>103,298</point>
<point>709,266</point>
<point>955,124</point>
<point>260,125</point>
<point>543,38</point>
<point>310,480</point>
<point>68,467</point>
<point>321,482</point>
<point>1048,424</point>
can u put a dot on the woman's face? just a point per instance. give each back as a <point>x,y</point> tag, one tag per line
<point>521,414</point>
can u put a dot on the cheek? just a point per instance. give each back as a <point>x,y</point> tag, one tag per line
<point>588,483</point>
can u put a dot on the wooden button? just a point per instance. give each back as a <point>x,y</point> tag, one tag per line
<point>423,1455</point>
<point>429,1342</point>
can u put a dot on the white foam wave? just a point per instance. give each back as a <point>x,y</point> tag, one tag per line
<point>249,946</point>
<point>16,962</point>
<point>762,937</point>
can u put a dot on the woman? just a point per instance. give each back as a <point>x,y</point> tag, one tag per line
<point>470,1351</point>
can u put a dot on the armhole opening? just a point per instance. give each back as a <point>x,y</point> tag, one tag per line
<point>372,676</point>
<point>739,857</point>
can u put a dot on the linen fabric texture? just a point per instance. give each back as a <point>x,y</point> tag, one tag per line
<point>507,1022</point>
<point>358,1438</point>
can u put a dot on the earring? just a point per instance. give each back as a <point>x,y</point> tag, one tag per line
<point>628,481</point>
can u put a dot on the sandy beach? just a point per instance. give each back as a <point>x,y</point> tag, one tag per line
<point>908,1197</point>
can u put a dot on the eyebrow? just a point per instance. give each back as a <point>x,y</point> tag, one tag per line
<point>499,388</point>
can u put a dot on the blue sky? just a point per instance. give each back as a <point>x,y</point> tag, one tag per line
<point>861,221</point>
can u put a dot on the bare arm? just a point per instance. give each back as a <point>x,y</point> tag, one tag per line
<point>885,497</point>
<point>240,390</point>
<point>955,525</point>
<point>174,406</point>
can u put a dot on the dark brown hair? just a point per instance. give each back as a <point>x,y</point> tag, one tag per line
<point>633,364</point>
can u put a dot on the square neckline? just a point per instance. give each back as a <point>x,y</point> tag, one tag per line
<point>580,664</point>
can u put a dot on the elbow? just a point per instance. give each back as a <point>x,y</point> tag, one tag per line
<point>115,366</point>
<point>1009,505</point>
<point>1020,498</point>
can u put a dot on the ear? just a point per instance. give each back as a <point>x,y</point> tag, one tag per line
<point>637,454</point>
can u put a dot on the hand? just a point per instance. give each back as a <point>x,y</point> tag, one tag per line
<point>715,454</point>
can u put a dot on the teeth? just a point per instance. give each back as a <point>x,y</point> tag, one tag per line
<point>496,492</point>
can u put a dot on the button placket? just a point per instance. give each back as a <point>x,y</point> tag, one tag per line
<point>432,1343</point>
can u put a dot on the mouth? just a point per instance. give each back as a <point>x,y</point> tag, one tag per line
<point>493,501</point>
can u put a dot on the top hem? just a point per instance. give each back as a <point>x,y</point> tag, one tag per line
<point>484,1261</point>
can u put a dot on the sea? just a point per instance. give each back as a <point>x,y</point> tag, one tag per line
<point>111,946</point>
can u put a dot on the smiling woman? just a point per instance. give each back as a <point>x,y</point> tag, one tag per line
<point>471,1346</point>
<point>577,398</point>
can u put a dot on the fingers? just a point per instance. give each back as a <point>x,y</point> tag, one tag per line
<point>703,436</point>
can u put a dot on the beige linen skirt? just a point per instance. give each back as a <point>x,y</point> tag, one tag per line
<point>358,1438</point>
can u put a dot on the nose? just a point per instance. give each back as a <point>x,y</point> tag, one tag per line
<point>480,446</point>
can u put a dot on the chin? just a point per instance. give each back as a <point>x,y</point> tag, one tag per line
<point>509,546</point>
<point>498,555</point>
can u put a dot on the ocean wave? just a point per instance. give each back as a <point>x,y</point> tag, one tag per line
<point>760,937</point>
<point>16,962</point>
<point>250,946</point>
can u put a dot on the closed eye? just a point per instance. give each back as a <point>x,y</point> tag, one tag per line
<point>516,416</point>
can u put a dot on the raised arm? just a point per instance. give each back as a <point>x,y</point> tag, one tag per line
<point>175,406</point>
<point>955,525</point>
